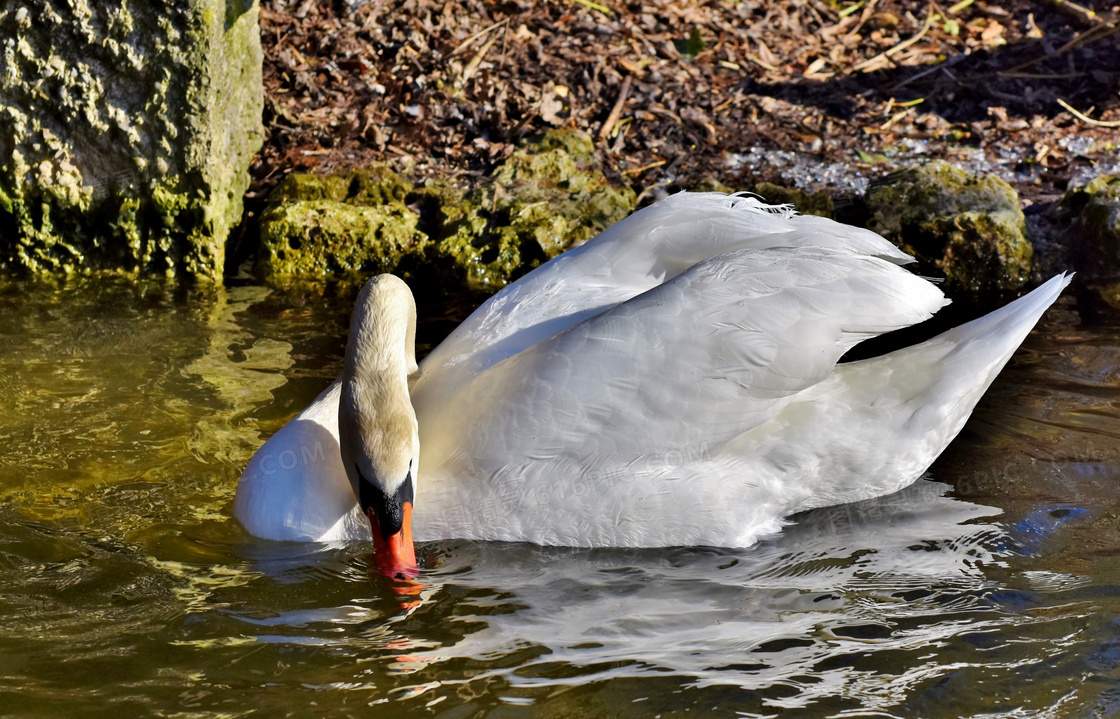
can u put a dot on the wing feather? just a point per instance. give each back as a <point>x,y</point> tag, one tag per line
<point>641,252</point>
<point>706,356</point>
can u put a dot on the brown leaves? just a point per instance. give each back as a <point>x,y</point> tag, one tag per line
<point>666,88</point>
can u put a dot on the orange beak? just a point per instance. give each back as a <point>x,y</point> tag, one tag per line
<point>394,555</point>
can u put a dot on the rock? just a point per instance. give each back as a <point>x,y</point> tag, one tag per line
<point>547,197</point>
<point>815,203</point>
<point>126,132</point>
<point>709,184</point>
<point>964,227</point>
<point>550,195</point>
<point>1094,240</point>
<point>318,227</point>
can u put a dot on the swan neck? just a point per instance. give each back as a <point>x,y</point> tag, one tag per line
<point>376,422</point>
<point>382,343</point>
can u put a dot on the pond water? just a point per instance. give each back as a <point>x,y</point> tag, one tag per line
<point>126,587</point>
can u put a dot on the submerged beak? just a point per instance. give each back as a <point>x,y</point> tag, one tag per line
<point>394,554</point>
<point>390,522</point>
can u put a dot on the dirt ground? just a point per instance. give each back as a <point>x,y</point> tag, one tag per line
<point>820,94</point>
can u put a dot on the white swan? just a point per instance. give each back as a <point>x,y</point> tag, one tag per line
<point>672,382</point>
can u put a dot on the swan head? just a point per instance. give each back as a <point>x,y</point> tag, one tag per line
<point>378,436</point>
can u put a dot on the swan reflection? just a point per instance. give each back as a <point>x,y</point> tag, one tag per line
<point>900,572</point>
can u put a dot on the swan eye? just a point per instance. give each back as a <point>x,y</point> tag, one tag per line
<point>388,508</point>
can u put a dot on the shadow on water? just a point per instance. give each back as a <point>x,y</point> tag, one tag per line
<point>127,587</point>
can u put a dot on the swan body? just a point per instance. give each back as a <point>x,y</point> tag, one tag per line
<point>672,382</point>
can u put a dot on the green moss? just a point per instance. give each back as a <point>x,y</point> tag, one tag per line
<point>576,145</point>
<point>375,185</point>
<point>299,187</point>
<point>126,132</point>
<point>324,226</point>
<point>1095,229</point>
<point>967,228</point>
<point>476,240</point>
<point>322,238</point>
<point>986,253</point>
<point>710,184</point>
<point>547,197</point>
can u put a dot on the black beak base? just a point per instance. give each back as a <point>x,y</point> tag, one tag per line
<point>388,508</point>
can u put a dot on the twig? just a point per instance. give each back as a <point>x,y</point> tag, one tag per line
<point>650,166</point>
<point>595,6</point>
<point>850,9</point>
<point>821,7</point>
<point>1099,32</point>
<point>472,66</point>
<point>505,36</point>
<point>863,18</point>
<point>1040,75</point>
<point>371,18</point>
<point>899,47</point>
<point>895,118</point>
<point>762,63</point>
<point>463,45</point>
<point>616,111</point>
<point>1079,12</point>
<point>1085,118</point>
<point>929,71</point>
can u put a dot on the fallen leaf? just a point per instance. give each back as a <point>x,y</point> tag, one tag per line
<point>691,47</point>
<point>872,158</point>
<point>992,34</point>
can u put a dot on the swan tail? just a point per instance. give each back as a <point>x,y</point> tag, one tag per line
<point>932,387</point>
<point>972,354</point>
<point>874,426</point>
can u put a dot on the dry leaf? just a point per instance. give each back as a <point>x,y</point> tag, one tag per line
<point>992,34</point>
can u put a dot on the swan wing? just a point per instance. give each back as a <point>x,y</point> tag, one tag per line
<point>700,359</point>
<point>643,251</point>
<point>295,488</point>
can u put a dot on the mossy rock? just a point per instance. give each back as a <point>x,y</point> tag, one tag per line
<point>340,224</point>
<point>806,203</point>
<point>376,185</point>
<point>547,197</point>
<point>126,133</point>
<point>710,184</point>
<point>1093,215</point>
<point>321,238</point>
<point>967,228</point>
<point>575,144</point>
<point>473,239</point>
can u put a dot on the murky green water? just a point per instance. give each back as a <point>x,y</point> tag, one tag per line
<point>126,588</point>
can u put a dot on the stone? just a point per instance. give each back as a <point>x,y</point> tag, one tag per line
<point>806,203</point>
<point>964,227</point>
<point>549,196</point>
<point>126,133</point>
<point>1093,216</point>
<point>338,225</point>
<point>710,184</point>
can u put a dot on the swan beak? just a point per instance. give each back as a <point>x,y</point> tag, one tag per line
<point>394,554</point>
<point>390,522</point>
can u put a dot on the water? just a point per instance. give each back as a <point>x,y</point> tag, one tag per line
<point>126,588</point>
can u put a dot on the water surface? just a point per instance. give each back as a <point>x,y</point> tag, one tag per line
<point>127,411</point>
